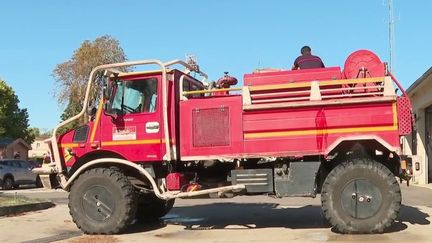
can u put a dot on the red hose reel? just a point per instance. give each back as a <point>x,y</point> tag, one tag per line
<point>363,64</point>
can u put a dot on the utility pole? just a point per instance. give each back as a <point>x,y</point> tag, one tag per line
<point>391,35</point>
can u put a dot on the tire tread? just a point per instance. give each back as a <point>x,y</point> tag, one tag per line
<point>128,194</point>
<point>367,164</point>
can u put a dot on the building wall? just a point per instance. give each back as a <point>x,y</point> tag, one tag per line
<point>421,98</point>
<point>39,148</point>
<point>2,153</point>
<point>17,147</point>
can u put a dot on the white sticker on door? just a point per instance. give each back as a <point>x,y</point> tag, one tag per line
<point>124,133</point>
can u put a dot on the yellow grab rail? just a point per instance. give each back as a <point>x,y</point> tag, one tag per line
<point>207,91</point>
<point>291,85</point>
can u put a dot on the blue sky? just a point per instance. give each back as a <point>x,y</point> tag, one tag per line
<point>235,36</point>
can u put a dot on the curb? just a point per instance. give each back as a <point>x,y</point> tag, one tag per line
<point>31,191</point>
<point>16,209</point>
<point>427,186</point>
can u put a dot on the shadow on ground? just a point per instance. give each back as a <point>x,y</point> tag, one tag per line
<point>412,215</point>
<point>234,216</point>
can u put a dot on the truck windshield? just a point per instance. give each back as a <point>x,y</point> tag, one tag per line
<point>135,96</point>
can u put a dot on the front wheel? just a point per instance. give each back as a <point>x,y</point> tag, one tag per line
<point>102,201</point>
<point>360,196</point>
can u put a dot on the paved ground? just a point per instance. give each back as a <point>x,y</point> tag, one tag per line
<point>240,219</point>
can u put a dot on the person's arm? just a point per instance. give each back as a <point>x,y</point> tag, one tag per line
<point>322,63</point>
<point>295,66</point>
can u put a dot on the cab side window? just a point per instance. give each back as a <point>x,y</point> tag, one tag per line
<point>191,85</point>
<point>135,96</point>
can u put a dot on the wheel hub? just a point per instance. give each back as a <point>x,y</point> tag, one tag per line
<point>361,199</point>
<point>97,203</point>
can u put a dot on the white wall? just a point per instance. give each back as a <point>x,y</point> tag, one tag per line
<point>421,98</point>
<point>39,148</point>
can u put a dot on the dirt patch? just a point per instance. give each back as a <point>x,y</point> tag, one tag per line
<point>6,201</point>
<point>94,239</point>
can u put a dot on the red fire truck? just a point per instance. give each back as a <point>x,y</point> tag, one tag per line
<point>163,134</point>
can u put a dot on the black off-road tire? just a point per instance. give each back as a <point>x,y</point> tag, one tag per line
<point>151,208</point>
<point>361,197</point>
<point>8,183</point>
<point>102,201</point>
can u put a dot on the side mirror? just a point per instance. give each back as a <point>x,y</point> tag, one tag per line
<point>107,89</point>
<point>110,112</point>
<point>92,112</point>
<point>107,106</point>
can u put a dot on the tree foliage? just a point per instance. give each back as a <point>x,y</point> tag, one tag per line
<point>34,131</point>
<point>13,120</point>
<point>40,133</point>
<point>72,75</point>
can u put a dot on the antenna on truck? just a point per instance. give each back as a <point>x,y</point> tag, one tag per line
<point>391,26</point>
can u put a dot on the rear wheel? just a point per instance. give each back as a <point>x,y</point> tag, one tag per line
<point>151,208</point>
<point>102,201</point>
<point>360,196</point>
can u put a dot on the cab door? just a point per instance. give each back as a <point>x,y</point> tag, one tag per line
<point>132,123</point>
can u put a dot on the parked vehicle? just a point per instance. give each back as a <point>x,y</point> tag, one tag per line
<point>34,163</point>
<point>15,172</point>
<point>163,134</point>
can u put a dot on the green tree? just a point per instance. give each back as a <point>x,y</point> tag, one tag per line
<point>35,132</point>
<point>40,133</point>
<point>13,120</point>
<point>45,133</point>
<point>72,76</point>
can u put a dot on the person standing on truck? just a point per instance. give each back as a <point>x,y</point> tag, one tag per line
<point>307,60</point>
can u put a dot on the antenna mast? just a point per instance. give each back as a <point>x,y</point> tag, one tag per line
<point>391,34</point>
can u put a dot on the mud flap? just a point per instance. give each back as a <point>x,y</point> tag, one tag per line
<point>46,181</point>
<point>49,181</point>
<point>299,182</point>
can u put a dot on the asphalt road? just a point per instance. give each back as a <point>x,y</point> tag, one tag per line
<point>240,219</point>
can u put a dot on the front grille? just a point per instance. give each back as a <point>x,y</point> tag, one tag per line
<point>211,127</point>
